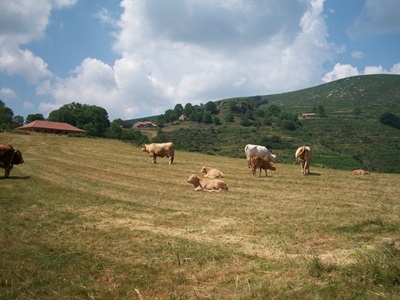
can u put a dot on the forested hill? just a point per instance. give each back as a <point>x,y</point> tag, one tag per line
<point>348,132</point>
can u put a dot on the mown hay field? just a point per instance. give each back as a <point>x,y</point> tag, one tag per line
<point>94,219</point>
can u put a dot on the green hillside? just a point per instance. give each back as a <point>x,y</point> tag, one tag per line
<point>341,139</point>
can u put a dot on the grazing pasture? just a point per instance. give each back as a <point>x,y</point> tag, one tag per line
<point>94,219</point>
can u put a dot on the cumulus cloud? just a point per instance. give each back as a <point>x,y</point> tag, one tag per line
<point>197,51</point>
<point>8,93</point>
<point>342,71</point>
<point>21,22</point>
<point>377,17</point>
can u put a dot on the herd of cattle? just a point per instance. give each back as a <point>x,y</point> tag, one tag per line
<point>258,157</point>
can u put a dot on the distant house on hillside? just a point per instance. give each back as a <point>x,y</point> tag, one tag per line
<point>145,124</point>
<point>50,127</point>
<point>183,118</point>
<point>309,115</point>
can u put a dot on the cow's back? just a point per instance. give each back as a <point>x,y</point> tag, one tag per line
<point>6,155</point>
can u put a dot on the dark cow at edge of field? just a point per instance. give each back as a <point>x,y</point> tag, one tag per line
<point>211,173</point>
<point>262,163</point>
<point>256,150</point>
<point>8,158</point>
<point>160,149</point>
<point>360,172</point>
<point>304,156</point>
<point>206,184</point>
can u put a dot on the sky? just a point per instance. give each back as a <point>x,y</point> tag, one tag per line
<point>138,58</point>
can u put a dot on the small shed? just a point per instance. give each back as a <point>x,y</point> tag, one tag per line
<point>145,124</point>
<point>50,127</point>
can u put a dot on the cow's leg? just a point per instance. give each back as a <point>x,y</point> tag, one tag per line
<point>253,171</point>
<point>171,159</point>
<point>7,172</point>
<point>302,168</point>
<point>153,158</point>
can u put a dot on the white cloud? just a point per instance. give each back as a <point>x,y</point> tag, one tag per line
<point>340,71</point>
<point>8,93</point>
<point>374,70</point>
<point>357,54</point>
<point>377,17</point>
<point>23,21</point>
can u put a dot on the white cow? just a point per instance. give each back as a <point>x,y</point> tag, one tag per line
<point>256,150</point>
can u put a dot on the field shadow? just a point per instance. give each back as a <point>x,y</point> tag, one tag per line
<point>313,174</point>
<point>16,177</point>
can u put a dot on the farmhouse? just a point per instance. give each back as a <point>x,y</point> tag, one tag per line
<point>309,115</point>
<point>144,124</point>
<point>50,127</point>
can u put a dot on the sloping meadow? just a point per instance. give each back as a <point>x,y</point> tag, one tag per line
<point>94,219</point>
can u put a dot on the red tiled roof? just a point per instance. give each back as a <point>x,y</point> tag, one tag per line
<point>59,126</point>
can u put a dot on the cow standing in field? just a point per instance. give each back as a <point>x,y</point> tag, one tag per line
<point>256,150</point>
<point>8,158</point>
<point>304,156</point>
<point>160,149</point>
<point>211,173</point>
<point>206,184</point>
<point>262,163</point>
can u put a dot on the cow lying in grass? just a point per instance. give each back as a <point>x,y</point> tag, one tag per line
<point>261,163</point>
<point>205,184</point>
<point>211,173</point>
<point>360,172</point>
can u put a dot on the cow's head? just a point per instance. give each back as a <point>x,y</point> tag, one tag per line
<point>17,159</point>
<point>193,179</point>
<point>144,147</point>
<point>271,167</point>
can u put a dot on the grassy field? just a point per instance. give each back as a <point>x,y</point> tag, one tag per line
<point>94,219</point>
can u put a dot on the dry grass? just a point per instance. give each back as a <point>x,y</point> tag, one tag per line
<point>94,219</point>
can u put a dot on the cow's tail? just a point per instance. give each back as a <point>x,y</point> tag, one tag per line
<point>299,154</point>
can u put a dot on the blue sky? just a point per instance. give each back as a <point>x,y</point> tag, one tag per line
<point>137,58</point>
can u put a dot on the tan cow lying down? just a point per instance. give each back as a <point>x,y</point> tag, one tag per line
<point>262,163</point>
<point>205,184</point>
<point>304,156</point>
<point>211,173</point>
<point>160,149</point>
<point>360,172</point>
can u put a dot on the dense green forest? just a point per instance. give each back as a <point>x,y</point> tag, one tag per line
<point>356,124</point>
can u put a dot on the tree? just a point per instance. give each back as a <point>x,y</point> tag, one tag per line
<point>320,110</point>
<point>229,118</point>
<point>357,112</point>
<point>178,109</point>
<point>216,120</point>
<point>390,119</point>
<point>33,117</point>
<point>80,115</point>
<point>274,110</point>
<point>211,107</point>
<point>188,109</point>
<point>17,121</point>
<point>6,116</point>
<point>207,118</point>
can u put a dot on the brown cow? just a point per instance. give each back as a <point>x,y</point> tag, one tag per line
<point>211,173</point>
<point>360,172</point>
<point>262,163</point>
<point>304,156</point>
<point>160,149</point>
<point>8,158</point>
<point>205,184</point>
